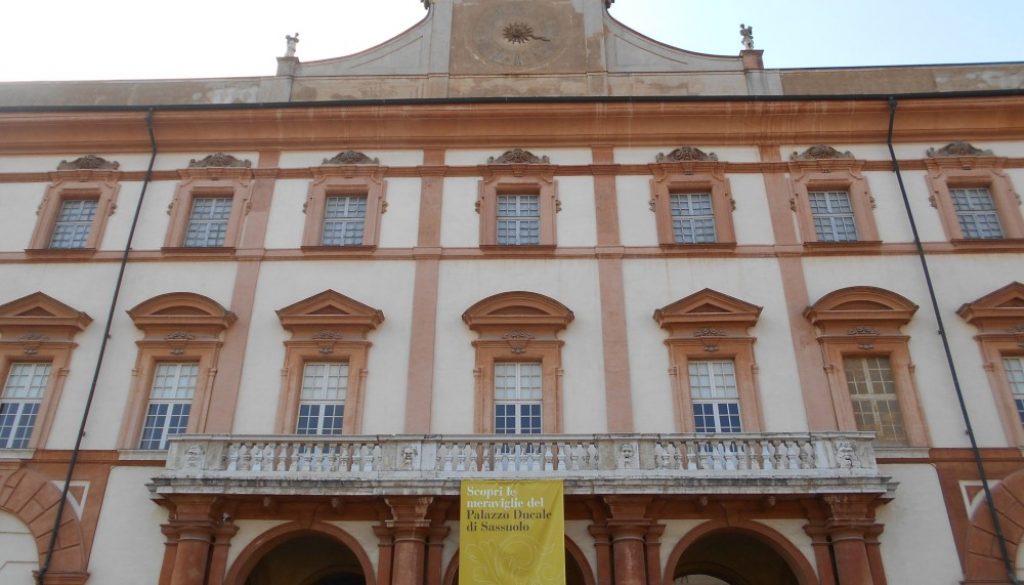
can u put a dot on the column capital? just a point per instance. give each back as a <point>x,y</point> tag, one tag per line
<point>851,511</point>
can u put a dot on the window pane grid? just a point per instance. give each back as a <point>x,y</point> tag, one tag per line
<point>693,220</point>
<point>322,399</point>
<point>976,213</point>
<point>833,216</point>
<point>716,407</point>
<point>73,223</point>
<point>344,218</point>
<point>872,390</point>
<point>517,398</point>
<point>1014,368</point>
<point>170,403</point>
<point>208,222</point>
<point>518,220</point>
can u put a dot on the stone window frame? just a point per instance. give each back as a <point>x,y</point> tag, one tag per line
<point>39,328</point>
<point>960,165</point>
<point>866,321</point>
<point>176,327</point>
<point>356,175</point>
<point>236,182</point>
<point>999,320</point>
<point>326,327</point>
<point>702,174</point>
<point>518,326</point>
<point>841,172</point>
<point>101,185</point>
<point>710,325</point>
<point>517,172</point>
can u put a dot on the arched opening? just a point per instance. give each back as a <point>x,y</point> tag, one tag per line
<point>732,558</point>
<point>308,559</point>
<point>577,570</point>
<point>20,554</point>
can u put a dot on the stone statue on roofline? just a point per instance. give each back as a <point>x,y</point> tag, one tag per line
<point>292,42</point>
<point>747,32</point>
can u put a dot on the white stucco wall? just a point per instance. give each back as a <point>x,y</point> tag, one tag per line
<point>399,225</point>
<point>18,553</point>
<point>637,223</point>
<point>460,223</point>
<point>571,282</point>
<point>576,224</point>
<point>751,219</point>
<point>917,545</point>
<point>129,524</point>
<point>19,200</point>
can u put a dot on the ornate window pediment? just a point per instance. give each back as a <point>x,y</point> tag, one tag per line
<point>497,315</point>
<point>867,309</point>
<point>171,313</point>
<point>327,311</point>
<point>39,313</point>
<point>999,311</point>
<point>708,312</point>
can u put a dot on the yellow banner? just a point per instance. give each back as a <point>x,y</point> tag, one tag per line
<point>512,533</point>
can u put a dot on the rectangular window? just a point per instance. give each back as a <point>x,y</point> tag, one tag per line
<point>716,401</point>
<point>518,220</point>
<point>322,402</point>
<point>19,404</point>
<point>876,407</point>
<point>833,216</point>
<point>170,401</point>
<point>344,217</point>
<point>1014,368</point>
<point>517,398</point>
<point>208,222</point>
<point>74,220</point>
<point>693,219</point>
<point>976,213</point>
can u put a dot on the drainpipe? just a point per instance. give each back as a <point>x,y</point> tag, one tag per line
<point>41,574</point>
<point>976,451</point>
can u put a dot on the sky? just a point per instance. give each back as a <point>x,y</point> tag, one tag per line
<point>132,39</point>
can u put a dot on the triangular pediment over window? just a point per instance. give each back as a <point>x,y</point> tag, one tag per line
<point>997,310</point>
<point>330,311</point>
<point>41,313</point>
<point>708,309</point>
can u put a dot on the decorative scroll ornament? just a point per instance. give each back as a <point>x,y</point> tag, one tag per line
<point>518,156</point>
<point>89,162</point>
<point>31,342</point>
<point>686,153</point>
<point>709,332</point>
<point>220,160</point>
<point>351,157</point>
<point>325,340</point>
<point>177,341</point>
<point>863,332</point>
<point>958,148</point>
<point>820,151</point>
<point>518,340</point>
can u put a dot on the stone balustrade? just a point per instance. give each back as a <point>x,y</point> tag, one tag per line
<point>765,462</point>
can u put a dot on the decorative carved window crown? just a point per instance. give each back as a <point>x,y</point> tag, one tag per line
<point>351,157</point>
<point>707,313</point>
<point>328,315</point>
<point>518,156</point>
<point>219,159</point>
<point>1000,311</point>
<point>181,316</point>
<point>89,162</point>
<point>820,151</point>
<point>958,148</point>
<point>686,153</point>
<point>861,310</point>
<point>518,313</point>
<point>39,318</point>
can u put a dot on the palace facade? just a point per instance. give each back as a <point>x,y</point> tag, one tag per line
<point>266,326</point>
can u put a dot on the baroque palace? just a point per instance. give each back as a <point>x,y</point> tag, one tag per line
<point>255,331</point>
